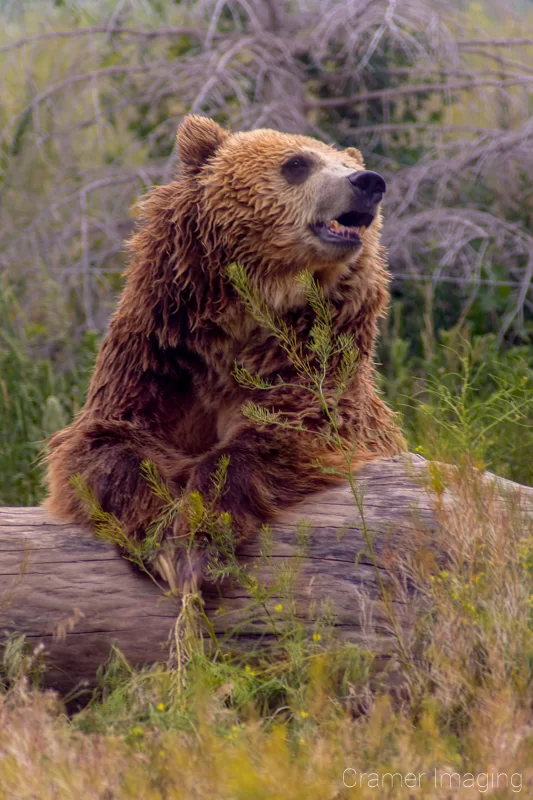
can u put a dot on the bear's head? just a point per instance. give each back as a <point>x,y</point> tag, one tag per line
<point>280,203</point>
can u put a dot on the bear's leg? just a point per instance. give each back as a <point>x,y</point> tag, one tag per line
<point>267,472</point>
<point>108,456</point>
<point>272,467</point>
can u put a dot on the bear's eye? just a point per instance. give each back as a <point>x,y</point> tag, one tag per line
<point>296,169</point>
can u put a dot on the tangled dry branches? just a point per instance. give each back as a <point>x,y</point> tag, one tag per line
<point>92,110</point>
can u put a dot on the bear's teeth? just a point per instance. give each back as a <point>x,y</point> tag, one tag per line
<point>345,230</point>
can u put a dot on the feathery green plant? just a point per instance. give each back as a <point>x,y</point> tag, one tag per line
<point>313,365</point>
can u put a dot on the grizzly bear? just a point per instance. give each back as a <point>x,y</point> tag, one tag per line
<point>164,388</point>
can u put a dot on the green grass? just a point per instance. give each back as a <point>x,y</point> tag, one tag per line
<point>42,385</point>
<point>468,394</point>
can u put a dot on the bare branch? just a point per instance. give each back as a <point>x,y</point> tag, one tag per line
<point>466,43</point>
<point>422,88</point>
<point>109,30</point>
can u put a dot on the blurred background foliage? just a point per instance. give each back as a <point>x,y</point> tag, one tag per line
<point>437,95</point>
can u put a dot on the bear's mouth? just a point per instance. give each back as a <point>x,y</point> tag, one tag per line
<point>347,229</point>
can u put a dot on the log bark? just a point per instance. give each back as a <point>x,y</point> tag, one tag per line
<point>74,593</point>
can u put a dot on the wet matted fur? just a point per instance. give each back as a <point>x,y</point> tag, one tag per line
<point>163,387</point>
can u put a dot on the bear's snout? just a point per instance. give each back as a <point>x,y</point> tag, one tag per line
<point>368,187</point>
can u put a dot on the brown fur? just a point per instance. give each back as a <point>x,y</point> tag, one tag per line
<point>163,387</point>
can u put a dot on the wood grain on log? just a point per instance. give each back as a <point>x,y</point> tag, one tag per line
<point>54,574</point>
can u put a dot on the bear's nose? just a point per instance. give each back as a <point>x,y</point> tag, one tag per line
<point>368,185</point>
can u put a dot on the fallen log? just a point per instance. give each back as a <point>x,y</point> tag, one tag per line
<point>74,593</point>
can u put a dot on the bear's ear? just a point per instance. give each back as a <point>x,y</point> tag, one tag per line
<point>353,152</point>
<point>198,139</point>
